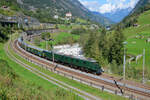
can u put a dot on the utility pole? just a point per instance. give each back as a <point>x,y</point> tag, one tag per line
<point>10,37</point>
<point>124,65</point>
<point>52,51</point>
<point>46,45</point>
<point>10,31</point>
<point>25,42</point>
<point>53,57</point>
<point>143,63</point>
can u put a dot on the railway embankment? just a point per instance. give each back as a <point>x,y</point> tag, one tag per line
<point>97,92</point>
<point>132,91</point>
<point>17,82</point>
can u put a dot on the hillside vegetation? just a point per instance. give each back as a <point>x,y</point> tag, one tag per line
<point>49,8</point>
<point>9,8</point>
<point>131,19</point>
<point>58,39</point>
<point>136,38</point>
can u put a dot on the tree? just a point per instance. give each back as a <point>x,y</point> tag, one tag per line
<point>87,48</point>
<point>103,42</point>
<point>56,26</point>
<point>4,33</point>
<point>78,31</point>
<point>37,41</point>
<point>45,35</point>
<point>105,47</point>
<point>71,40</point>
<point>116,47</point>
<point>50,45</point>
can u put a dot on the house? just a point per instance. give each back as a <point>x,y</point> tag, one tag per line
<point>108,27</point>
<point>148,40</point>
<point>135,25</point>
<point>56,17</point>
<point>68,15</point>
<point>94,26</point>
<point>4,7</point>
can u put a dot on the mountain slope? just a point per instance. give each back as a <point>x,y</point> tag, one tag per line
<point>103,19</point>
<point>136,40</point>
<point>61,7</point>
<point>131,19</point>
<point>141,5</point>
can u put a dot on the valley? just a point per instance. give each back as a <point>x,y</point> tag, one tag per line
<point>66,50</point>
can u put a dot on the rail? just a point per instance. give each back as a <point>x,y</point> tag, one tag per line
<point>93,84</point>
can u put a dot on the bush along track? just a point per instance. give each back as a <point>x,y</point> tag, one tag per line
<point>79,92</point>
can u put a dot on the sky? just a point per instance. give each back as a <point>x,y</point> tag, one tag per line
<point>107,6</point>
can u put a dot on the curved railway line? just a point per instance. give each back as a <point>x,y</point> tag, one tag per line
<point>140,92</point>
<point>52,80</point>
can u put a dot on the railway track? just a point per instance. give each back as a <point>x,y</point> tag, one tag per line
<point>52,80</point>
<point>142,93</point>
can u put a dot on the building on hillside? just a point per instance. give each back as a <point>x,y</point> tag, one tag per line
<point>68,16</point>
<point>136,25</point>
<point>148,40</point>
<point>94,26</point>
<point>4,7</point>
<point>56,17</point>
<point>108,27</point>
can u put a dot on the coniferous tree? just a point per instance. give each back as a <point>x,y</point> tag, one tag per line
<point>4,32</point>
<point>116,49</point>
<point>103,43</point>
<point>87,48</point>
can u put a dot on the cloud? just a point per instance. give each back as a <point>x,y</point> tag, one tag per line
<point>92,5</point>
<point>109,5</point>
<point>106,8</point>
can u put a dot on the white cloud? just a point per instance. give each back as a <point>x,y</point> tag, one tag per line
<point>132,3</point>
<point>92,5</point>
<point>106,8</point>
<point>109,6</point>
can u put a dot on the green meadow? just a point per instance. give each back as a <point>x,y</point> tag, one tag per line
<point>61,38</point>
<point>136,38</point>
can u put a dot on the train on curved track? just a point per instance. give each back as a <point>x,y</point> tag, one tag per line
<point>82,64</point>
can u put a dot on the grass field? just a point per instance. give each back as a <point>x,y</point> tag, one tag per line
<point>144,18</point>
<point>24,74</point>
<point>73,26</point>
<point>136,38</point>
<point>81,20</point>
<point>61,38</point>
<point>94,91</point>
<point>64,27</point>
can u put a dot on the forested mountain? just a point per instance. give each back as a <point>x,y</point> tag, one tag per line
<point>131,19</point>
<point>105,20</point>
<point>9,7</point>
<point>61,7</point>
<point>141,5</point>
